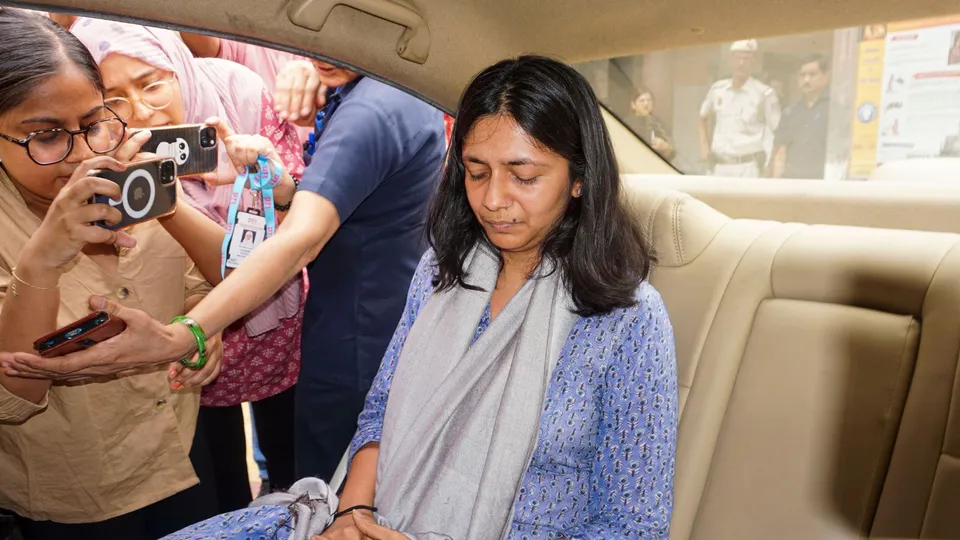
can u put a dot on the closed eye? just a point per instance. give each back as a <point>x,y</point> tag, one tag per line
<point>527,181</point>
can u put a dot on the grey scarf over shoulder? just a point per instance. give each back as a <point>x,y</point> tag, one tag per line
<point>462,419</point>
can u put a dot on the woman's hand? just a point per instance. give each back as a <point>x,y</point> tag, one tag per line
<point>245,150</point>
<point>130,149</point>
<point>345,528</point>
<point>360,525</point>
<point>183,377</point>
<point>145,342</point>
<point>299,93</point>
<point>368,526</point>
<point>69,224</point>
<point>342,529</point>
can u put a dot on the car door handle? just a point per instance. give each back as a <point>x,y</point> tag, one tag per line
<point>414,44</point>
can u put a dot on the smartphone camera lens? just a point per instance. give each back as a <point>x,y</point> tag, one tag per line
<point>208,137</point>
<point>168,171</point>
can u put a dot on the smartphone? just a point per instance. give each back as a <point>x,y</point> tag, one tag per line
<point>193,147</point>
<point>148,191</point>
<point>85,333</point>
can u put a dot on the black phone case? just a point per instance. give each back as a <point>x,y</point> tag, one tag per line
<point>147,197</point>
<point>182,144</point>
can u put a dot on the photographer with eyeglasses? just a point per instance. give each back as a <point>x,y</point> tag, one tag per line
<point>111,457</point>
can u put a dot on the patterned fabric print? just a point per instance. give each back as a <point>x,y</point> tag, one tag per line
<point>258,523</point>
<point>283,135</point>
<point>604,463</point>
<point>256,368</point>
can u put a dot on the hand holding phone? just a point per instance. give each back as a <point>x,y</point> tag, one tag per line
<point>85,333</point>
<point>69,224</point>
<point>193,147</point>
<point>148,191</point>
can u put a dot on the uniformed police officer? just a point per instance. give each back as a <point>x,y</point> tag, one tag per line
<point>746,113</point>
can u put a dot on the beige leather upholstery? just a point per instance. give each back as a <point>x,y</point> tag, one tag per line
<point>817,368</point>
<point>915,203</point>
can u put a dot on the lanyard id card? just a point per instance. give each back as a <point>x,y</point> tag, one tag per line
<point>249,228</point>
<point>249,231</point>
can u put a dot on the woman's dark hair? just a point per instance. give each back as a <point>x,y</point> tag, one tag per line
<point>33,48</point>
<point>601,252</point>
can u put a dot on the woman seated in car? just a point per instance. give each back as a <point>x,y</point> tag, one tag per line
<point>153,80</point>
<point>98,458</point>
<point>530,389</point>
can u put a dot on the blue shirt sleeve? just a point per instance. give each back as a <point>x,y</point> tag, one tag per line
<point>632,481</point>
<point>373,132</point>
<point>370,421</point>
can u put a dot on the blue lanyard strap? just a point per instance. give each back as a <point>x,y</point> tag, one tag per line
<point>262,180</point>
<point>321,120</point>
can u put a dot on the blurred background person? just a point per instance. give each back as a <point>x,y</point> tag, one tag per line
<point>800,147</point>
<point>744,113</point>
<point>647,126</point>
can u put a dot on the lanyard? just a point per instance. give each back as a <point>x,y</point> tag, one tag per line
<point>265,176</point>
<point>320,122</point>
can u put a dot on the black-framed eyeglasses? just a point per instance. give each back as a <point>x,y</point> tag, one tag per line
<point>51,146</point>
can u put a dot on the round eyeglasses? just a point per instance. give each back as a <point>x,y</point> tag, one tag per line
<point>154,96</point>
<point>51,146</point>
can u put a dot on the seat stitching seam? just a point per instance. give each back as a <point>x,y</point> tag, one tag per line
<point>651,218</point>
<point>677,228</point>
<point>675,232</point>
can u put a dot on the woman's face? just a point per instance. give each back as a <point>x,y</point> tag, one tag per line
<point>643,105</point>
<point>68,100</point>
<point>144,88</point>
<point>516,188</point>
<point>333,76</point>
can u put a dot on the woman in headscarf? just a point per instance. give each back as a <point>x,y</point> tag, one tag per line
<point>153,80</point>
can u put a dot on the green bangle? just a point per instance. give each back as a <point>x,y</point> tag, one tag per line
<point>201,338</point>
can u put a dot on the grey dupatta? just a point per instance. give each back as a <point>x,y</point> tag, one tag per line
<point>462,420</point>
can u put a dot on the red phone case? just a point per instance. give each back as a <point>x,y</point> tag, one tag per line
<point>102,332</point>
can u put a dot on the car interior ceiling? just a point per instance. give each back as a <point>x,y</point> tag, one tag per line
<point>467,35</point>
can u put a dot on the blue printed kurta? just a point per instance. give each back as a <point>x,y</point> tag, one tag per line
<point>605,455</point>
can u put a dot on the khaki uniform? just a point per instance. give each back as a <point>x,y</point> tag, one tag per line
<point>746,119</point>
